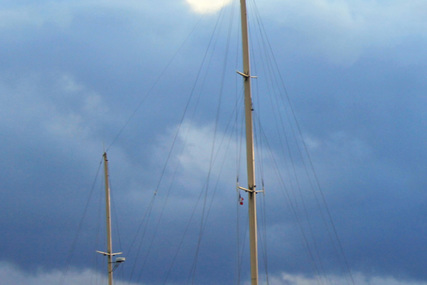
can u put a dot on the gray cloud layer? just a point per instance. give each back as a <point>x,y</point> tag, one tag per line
<point>72,74</point>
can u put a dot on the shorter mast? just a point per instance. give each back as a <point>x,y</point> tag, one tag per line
<point>109,252</point>
<point>108,216</point>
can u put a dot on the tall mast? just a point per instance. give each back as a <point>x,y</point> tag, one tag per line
<point>250,156</point>
<point>108,215</point>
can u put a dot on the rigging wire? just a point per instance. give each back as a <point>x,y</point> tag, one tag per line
<point>271,59</point>
<point>115,214</point>
<point>291,205</point>
<point>239,150</point>
<point>262,231</point>
<point>182,239</point>
<point>204,215</point>
<point>145,217</point>
<point>179,127</point>
<point>98,223</point>
<point>79,227</point>
<point>215,156</point>
<point>118,273</point>
<point>186,229</point>
<point>156,228</point>
<point>239,121</point>
<point>150,90</point>
<point>182,117</point>
<point>264,235</point>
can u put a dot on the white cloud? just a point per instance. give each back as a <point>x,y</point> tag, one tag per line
<point>289,279</point>
<point>207,6</point>
<point>193,153</point>
<point>198,146</point>
<point>9,274</point>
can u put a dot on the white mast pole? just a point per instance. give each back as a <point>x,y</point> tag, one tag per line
<point>108,215</point>
<point>250,157</point>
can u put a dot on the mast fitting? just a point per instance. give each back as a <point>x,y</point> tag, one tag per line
<point>246,75</point>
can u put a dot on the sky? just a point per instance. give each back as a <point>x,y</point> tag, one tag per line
<point>154,84</point>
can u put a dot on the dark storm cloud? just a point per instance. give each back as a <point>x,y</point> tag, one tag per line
<point>71,75</point>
